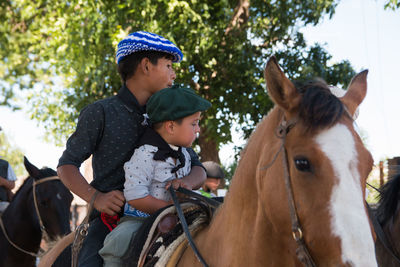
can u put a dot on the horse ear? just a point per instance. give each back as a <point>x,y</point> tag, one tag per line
<point>280,88</point>
<point>356,92</point>
<point>32,169</point>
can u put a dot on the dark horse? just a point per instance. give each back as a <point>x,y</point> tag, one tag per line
<point>40,208</point>
<point>388,216</point>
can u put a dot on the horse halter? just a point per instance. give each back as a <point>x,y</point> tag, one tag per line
<point>302,252</point>
<point>42,227</point>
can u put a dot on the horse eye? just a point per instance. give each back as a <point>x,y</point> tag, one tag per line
<point>302,164</point>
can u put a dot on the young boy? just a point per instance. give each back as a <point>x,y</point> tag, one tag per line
<point>109,130</point>
<point>160,161</point>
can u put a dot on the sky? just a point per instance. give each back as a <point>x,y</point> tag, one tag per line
<point>360,31</point>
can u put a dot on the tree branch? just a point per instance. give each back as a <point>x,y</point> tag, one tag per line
<point>240,17</point>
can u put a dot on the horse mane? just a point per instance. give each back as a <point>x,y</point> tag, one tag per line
<point>319,107</point>
<point>21,188</point>
<point>388,199</point>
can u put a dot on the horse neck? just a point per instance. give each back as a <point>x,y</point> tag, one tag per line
<point>20,221</point>
<point>241,220</point>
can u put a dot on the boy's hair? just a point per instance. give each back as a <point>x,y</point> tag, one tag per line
<point>128,65</point>
<point>158,125</point>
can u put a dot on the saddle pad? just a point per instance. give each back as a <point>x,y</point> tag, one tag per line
<point>158,253</point>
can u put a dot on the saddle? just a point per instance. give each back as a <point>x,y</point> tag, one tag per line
<point>161,240</point>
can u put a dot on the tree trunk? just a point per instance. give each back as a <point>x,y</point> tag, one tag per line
<point>209,152</point>
<point>208,148</point>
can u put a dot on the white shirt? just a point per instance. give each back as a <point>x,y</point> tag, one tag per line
<point>145,176</point>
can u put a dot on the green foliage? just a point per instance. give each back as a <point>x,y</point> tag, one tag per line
<point>392,4</point>
<point>13,155</point>
<point>65,51</point>
<point>373,194</point>
<point>229,172</point>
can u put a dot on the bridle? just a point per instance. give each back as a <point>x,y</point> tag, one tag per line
<point>302,252</point>
<point>42,227</point>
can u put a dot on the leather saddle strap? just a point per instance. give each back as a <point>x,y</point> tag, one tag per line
<point>213,203</point>
<point>381,235</point>
<point>185,226</point>
<point>81,232</point>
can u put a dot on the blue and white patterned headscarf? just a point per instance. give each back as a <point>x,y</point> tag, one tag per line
<point>141,40</point>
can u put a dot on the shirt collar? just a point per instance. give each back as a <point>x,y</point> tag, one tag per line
<point>129,100</point>
<point>151,137</point>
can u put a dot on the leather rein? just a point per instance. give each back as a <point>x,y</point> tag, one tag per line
<point>213,203</point>
<point>302,252</point>
<point>42,227</point>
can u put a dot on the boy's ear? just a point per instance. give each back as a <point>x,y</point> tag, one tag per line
<point>144,65</point>
<point>169,126</point>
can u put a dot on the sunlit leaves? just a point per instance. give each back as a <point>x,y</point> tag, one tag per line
<point>68,49</point>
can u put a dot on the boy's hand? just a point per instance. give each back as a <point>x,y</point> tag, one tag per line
<point>110,203</point>
<point>176,183</point>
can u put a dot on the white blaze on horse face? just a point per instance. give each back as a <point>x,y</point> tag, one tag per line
<point>349,220</point>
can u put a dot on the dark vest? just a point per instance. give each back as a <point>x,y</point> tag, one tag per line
<point>3,173</point>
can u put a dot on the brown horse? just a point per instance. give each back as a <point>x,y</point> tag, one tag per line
<point>299,187</point>
<point>327,165</point>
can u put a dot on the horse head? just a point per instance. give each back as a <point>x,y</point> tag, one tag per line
<point>51,200</point>
<point>309,138</point>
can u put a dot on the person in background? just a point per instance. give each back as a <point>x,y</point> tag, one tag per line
<point>215,174</point>
<point>7,183</point>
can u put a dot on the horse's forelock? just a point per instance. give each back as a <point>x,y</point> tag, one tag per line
<point>319,108</point>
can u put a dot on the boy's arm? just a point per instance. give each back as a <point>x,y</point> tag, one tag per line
<point>110,203</point>
<point>149,204</point>
<point>194,180</point>
<point>6,183</point>
<point>197,175</point>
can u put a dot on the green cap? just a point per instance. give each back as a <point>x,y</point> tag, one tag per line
<point>174,103</point>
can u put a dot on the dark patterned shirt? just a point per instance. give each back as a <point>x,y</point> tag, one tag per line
<point>109,129</point>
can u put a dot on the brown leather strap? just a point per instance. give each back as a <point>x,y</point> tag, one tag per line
<point>81,232</point>
<point>15,245</point>
<point>35,183</point>
<point>185,226</point>
<point>302,252</point>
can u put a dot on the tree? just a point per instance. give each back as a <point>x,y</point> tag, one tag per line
<point>65,50</point>
<point>13,155</point>
<point>392,4</point>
